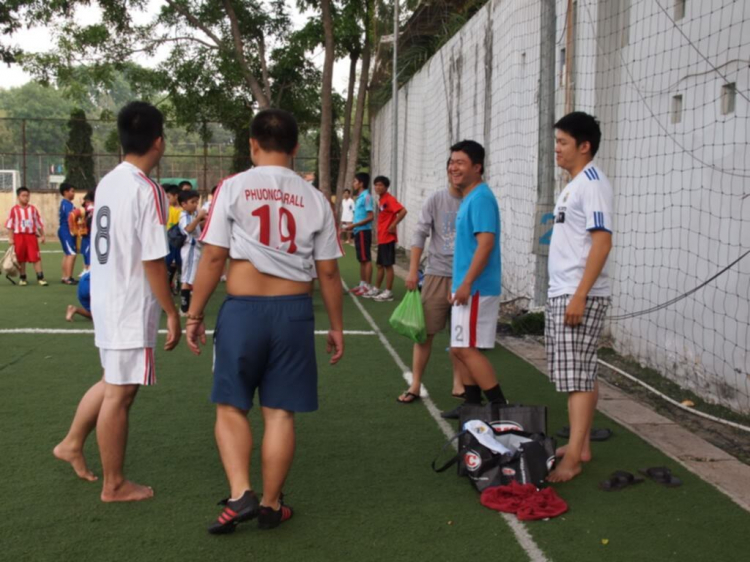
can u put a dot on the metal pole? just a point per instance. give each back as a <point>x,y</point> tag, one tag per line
<point>23,144</point>
<point>394,157</point>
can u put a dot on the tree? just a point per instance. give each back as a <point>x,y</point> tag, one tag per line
<point>226,58</point>
<point>326,118</point>
<point>79,160</point>
<point>359,116</point>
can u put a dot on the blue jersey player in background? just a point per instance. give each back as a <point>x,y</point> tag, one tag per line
<point>67,240</point>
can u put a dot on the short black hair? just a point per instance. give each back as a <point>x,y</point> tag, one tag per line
<point>65,187</point>
<point>21,189</point>
<point>583,128</point>
<point>183,183</point>
<point>171,188</point>
<point>364,178</point>
<point>214,188</point>
<point>139,124</point>
<point>347,191</point>
<point>186,196</point>
<point>473,150</point>
<point>89,196</point>
<point>275,130</point>
<point>382,179</point>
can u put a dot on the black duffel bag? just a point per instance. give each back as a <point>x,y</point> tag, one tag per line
<point>529,455</point>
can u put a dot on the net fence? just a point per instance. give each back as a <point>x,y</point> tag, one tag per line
<point>669,81</point>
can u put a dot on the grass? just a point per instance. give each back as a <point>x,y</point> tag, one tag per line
<point>361,484</point>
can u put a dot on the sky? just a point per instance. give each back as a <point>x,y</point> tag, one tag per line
<point>39,39</point>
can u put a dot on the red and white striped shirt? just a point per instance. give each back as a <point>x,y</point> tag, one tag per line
<point>24,220</point>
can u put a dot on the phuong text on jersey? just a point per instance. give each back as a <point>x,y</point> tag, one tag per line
<point>275,195</point>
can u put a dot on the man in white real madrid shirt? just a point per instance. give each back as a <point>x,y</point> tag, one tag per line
<point>579,292</point>
<point>278,231</point>
<point>129,287</point>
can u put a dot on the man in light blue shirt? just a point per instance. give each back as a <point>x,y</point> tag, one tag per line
<point>362,227</point>
<point>476,274</point>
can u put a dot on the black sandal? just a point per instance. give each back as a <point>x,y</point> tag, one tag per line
<point>619,480</point>
<point>413,398</point>
<point>662,475</point>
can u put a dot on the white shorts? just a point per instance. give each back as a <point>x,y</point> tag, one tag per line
<point>190,255</point>
<point>128,366</point>
<point>475,324</point>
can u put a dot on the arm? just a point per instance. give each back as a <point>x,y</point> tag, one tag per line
<point>158,279</point>
<point>370,217</point>
<point>601,244</point>
<point>412,279</point>
<point>330,290</point>
<point>398,218</point>
<point>196,221</point>
<point>485,244</point>
<point>207,278</point>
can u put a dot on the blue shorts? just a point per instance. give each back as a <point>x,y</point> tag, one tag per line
<point>68,242</point>
<point>266,343</point>
<point>86,249</point>
<point>84,291</point>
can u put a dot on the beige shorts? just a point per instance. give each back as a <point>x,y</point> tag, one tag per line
<point>128,366</point>
<point>437,309</point>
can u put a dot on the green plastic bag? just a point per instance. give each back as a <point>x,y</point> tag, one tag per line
<point>408,318</point>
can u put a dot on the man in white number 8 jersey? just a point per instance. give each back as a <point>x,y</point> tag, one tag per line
<point>129,288</point>
<point>279,232</point>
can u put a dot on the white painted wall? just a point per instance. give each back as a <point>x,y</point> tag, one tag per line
<point>681,208</point>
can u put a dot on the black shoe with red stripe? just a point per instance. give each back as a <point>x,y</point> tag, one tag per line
<point>237,511</point>
<point>270,518</point>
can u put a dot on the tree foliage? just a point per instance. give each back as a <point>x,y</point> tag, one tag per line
<point>79,160</point>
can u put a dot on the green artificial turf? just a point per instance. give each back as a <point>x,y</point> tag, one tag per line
<point>361,484</point>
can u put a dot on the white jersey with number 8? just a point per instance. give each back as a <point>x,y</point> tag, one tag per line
<point>128,229</point>
<point>271,217</point>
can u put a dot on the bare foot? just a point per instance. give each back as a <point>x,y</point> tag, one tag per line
<point>76,460</point>
<point>585,455</point>
<point>70,313</point>
<point>564,472</point>
<point>128,492</point>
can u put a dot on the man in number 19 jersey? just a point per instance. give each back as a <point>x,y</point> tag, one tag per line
<point>278,232</point>
<point>129,287</point>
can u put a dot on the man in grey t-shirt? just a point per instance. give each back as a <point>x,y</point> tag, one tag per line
<point>438,221</point>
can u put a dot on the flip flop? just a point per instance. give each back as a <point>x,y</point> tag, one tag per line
<point>459,396</point>
<point>595,435</point>
<point>410,396</point>
<point>662,475</point>
<point>619,480</point>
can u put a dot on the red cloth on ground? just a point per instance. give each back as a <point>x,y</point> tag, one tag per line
<point>543,504</point>
<point>528,503</point>
<point>507,498</point>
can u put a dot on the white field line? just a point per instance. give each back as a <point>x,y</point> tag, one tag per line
<point>523,537</point>
<point>209,332</point>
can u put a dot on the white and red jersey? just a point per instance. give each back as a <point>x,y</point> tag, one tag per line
<point>24,220</point>
<point>128,229</point>
<point>271,217</point>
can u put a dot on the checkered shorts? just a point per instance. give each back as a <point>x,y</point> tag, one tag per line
<point>571,351</point>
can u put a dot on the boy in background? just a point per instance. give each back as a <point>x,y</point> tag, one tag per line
<point>67,240</point>
<point>185,186</point>
<point>174,260</point>
<point>362,228</point>
<point>191,221</point>
<point>24,225</point>
<point>79,223</point>
<point>347,215</point>
<point>390,213</point>
<point>84,297</point>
